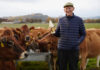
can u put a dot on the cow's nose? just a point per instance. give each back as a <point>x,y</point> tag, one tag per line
<point>27,38</point>
<point>26,54</point>
<point>37,50</point>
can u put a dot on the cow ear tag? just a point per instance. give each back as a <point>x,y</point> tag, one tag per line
<point>2,45</point>
<point>27,43</point>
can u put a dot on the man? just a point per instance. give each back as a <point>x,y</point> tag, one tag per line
<point>71,33</point>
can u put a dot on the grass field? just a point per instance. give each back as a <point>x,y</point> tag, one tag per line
<point>87,25</point>
<point>43,65</point>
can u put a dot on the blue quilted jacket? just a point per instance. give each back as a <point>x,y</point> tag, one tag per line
<point>71,32</point>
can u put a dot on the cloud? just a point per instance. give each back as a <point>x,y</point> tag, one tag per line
<point>54,8</point>
<point>27,1</point>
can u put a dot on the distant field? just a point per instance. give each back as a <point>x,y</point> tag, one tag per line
<point>29,24</point>
<point>92,25</point>
<point>42,65</point>
<point>88,25</point>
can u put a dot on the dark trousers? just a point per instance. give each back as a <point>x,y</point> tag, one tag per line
<point>68,58</point>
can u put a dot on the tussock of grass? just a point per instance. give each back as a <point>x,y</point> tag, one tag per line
<point>32,65</point>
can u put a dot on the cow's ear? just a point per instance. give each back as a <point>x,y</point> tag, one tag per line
<point>38,35</point>
<point>15,31</point>
<point>31,28</point>
<point>18,30</point>
<point>7,32</point>
<point>24,28</point>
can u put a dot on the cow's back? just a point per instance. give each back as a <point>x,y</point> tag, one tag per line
<point>90,47</point>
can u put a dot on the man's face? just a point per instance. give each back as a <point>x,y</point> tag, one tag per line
<point>69,10</point>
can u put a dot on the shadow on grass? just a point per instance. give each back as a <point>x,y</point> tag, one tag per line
<point>93,68</point>
<point>32,66</point>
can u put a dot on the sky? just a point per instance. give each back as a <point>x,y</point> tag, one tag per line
<point>53,8</point>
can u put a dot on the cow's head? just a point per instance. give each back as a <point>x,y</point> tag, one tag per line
<point>39,34</point>
<point>7,40</point>
<point>48,43</point>
<point>36,34</point>
<point>33,45</point>
<point>22,35</point>
<point>24,31</point>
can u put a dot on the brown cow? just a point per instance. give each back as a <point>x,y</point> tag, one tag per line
<point>89,48</point>
<point>2,29</point>
<point>10,50</point>
<point>40,35</point>
<point>37,33</point>
<point>49,43</point>
<point>22,36</point>
<point>45,43</point>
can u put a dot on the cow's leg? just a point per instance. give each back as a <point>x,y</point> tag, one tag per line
<point>54,60</point>
<point>87,60</point>
<point>98,58</point>
<point>57,63</point>
<point>83,64</point>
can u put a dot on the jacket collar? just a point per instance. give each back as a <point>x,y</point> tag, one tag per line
<point>70,16</point>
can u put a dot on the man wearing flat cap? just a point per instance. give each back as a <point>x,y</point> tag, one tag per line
<point>71,33</point>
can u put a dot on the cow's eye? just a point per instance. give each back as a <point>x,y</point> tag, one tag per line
<point>16,36</point>
<point>10,43</point>
<point>49,42</point>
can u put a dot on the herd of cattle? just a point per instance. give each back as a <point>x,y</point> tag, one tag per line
<point>16,42</point>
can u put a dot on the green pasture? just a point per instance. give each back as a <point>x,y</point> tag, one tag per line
<point>87,25</point>
<point>43,65</point>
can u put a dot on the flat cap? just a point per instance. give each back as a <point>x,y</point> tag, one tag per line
<point>68,4</point>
